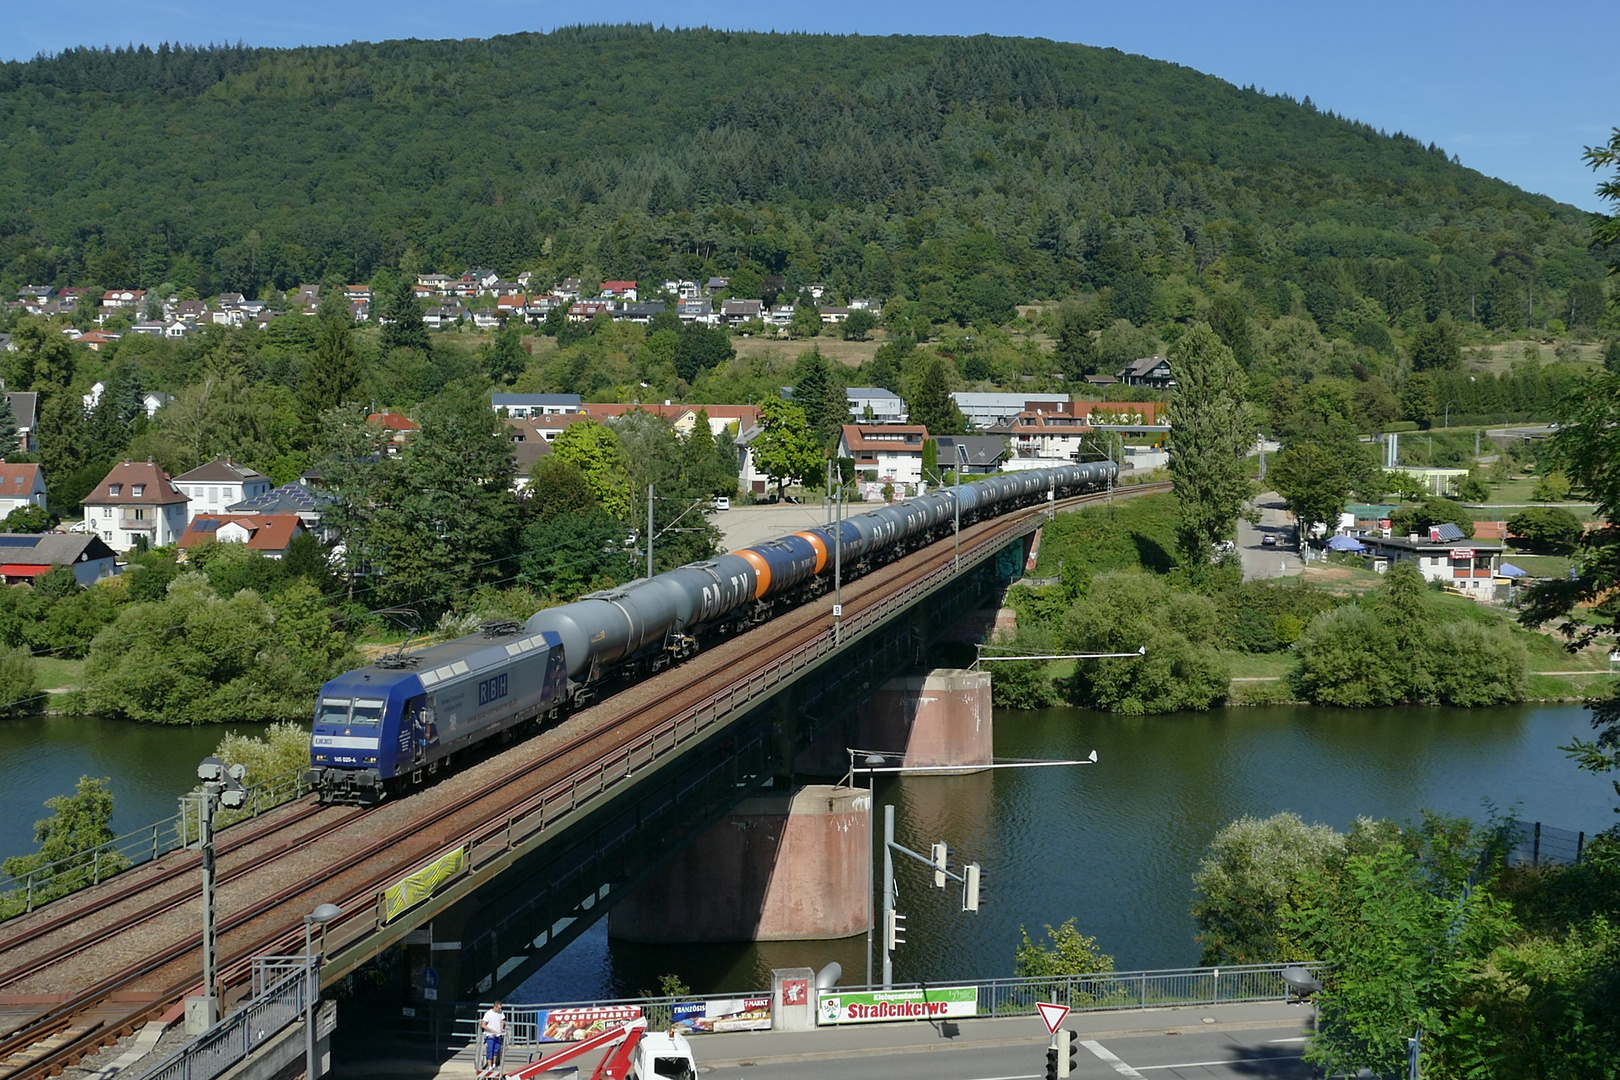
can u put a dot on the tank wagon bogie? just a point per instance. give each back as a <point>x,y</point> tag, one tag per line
<point>394,722</point>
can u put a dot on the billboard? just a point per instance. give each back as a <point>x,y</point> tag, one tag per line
<point>873,1006</point>
<point>575,1025</point>
<point>725,1014</point>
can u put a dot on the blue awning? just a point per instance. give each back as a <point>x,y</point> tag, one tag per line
<point>1345,543</point>
<point>1507,569</point>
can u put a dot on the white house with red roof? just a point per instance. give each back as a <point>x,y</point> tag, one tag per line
<point>20,486</point>
<point>893,451</point>
<point>136,501</point>
<point>268,534</point>
<point>619,290</point>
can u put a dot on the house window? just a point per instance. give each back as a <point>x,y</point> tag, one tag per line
<point>115,489</point>
<point>106,511</point>
<point>139,513</point>
<point>137,490</point>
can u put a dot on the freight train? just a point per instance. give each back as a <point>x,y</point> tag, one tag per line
<point>394,722</point>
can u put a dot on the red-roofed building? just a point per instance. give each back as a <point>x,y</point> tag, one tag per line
<point>137,500</point>
<point>738,418</point>
<point>267,533</point>
<point>20,486</point>
<point>893,451</point>
<point>399,426</point>
<point>619,290</point>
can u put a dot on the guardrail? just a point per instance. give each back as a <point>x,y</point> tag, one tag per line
<point>1109,991</point>
<point>494,840</point>
<point>22,893</point>
<point>239,1034</point>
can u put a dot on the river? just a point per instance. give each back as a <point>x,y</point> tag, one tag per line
<point>1113,844</point>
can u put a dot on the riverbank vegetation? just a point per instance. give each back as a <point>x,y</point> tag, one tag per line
<point>1509,970</point>
<point>1118,589</point>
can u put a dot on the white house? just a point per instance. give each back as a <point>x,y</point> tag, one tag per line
<point>527,405</point>
<point>886,406</point>
<point>221,483</point>
<point>20,486</point>
<point>137,500</point>
<point>893,451</point>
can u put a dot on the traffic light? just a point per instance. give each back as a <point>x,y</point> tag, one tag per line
<point>1068,1052</point>
<point>1051,1063</point>
<point>940,857</point>
<point>970,888</point>
<point>892,933</point>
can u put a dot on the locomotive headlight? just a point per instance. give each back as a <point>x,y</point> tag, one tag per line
<point>371,761</point>
<point>320,757</point>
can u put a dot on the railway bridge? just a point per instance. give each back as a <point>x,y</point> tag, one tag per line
<point>503,863</point>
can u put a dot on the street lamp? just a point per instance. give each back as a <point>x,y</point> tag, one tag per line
<point>1449,404</point>
<point>312,981</point>
<point>956,497</point>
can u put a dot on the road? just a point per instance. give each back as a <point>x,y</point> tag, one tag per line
<point>1260,561</point>
<point>745,525</point>
<point>1230,1041</point>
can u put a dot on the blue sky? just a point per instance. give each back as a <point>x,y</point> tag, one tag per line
<point>1516,90</point>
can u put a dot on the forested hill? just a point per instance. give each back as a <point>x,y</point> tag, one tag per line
<point>879,165</point>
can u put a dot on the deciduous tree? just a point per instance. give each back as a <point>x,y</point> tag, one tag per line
<point>1212,429</point>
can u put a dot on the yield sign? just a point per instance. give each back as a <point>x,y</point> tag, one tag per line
<point>1052,1015</point>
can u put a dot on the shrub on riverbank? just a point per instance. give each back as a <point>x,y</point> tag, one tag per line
<point>1400,644</point>
<point>1126,612</point>
<point>196,657</point>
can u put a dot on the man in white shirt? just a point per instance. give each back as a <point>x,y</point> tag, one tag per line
<point>494,1028</point>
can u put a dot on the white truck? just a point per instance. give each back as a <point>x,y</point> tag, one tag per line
<point>633,1053</point>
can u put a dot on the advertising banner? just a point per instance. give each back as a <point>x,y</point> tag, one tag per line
<point>574,1025</point>
<point>727,1014</point>
<point>420,884</point>
<point>835,1007</point>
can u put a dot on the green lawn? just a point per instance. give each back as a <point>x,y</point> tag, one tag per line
<point>1547,566</point>
<point>1258,665</point>
<point>56,674</point>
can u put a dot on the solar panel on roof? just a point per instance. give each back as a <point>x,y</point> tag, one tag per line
<point>206,526</point>
<point>18,541</point>
<point>1448,533</point>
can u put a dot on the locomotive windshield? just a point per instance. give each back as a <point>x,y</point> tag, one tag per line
<point>367,712</point>
<point>333,711</point>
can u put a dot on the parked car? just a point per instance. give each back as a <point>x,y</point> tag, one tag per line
<point>722,503</point>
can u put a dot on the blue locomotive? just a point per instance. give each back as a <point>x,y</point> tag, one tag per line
<point>400,719</point>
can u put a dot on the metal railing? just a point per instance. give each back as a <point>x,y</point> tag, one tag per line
<point>1110,991</point>
<point>21,893</point>
<point>239,1034</point>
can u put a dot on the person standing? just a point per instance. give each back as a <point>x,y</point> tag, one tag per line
<point>494,1028</point>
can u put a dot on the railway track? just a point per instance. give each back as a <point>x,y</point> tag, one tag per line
<point>407,831</point>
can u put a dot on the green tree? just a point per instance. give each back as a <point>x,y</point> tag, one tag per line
<point>699,349</point>
<point>1126,612</point>
<point>1437,346</point>
<point>1212,429</point>
<point>1552,486</point>
<point>786,450</point>
<point>1420,517</point>
<point>330,376</point>
<point>1418,400</point>
<point>10,440</point>
<point>931,404</point>
<point>1073,347</point>
<point>815,391</point>
<point>806,322</point>
<point>1313,483</point>
<point>595,451</point>
<point>1069,953</point>
<point>859,325</point>
<point>1346,657</point>
<point>1549,529</point>
<point>28,519</point>
<point>504,358</point>
<point>66,860</point>
<point>19,682</point>
<point>402,319</point>
<point>1253,879</point>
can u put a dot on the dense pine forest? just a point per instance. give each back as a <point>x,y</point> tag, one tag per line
<point>965,175</point>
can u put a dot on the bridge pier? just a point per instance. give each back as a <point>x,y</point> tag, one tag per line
<point>941,718</point>
<point>780,867</point>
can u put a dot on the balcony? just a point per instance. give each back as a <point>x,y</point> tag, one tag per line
<point>148,524</point>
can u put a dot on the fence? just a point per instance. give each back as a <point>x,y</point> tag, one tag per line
<point>239,1034</point>
<point>23,892</point>
<point>1114,990</point>
<point>1530,843</point>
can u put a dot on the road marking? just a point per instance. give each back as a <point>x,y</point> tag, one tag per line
<point>1297,1038</point>
<point>1207,1064</point>
<point>1104,1054</point>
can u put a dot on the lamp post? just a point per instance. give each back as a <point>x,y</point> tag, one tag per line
<point>312,981</point>
<point>838,561</point>
<point>1449,404</point>
<point>221,786</point>
<point>956,497</point>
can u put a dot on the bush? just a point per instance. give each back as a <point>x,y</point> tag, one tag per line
<point>1023,684</point>
<point>1268,616</point>
<point>1071,953</point>
<point>28,519</point>
<point>1346,657</point>
<point>1253,877</point>
<point>1549,529</point>
<point>1472,664</point>
<point>1553,487</point>
<point>1126,612</point>
<point>19,682</point>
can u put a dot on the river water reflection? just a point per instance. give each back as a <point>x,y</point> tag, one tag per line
<point>1115,843</point>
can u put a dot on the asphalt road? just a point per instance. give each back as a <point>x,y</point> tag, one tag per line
<point>1260,561</point>
<point>1246,1054</point>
